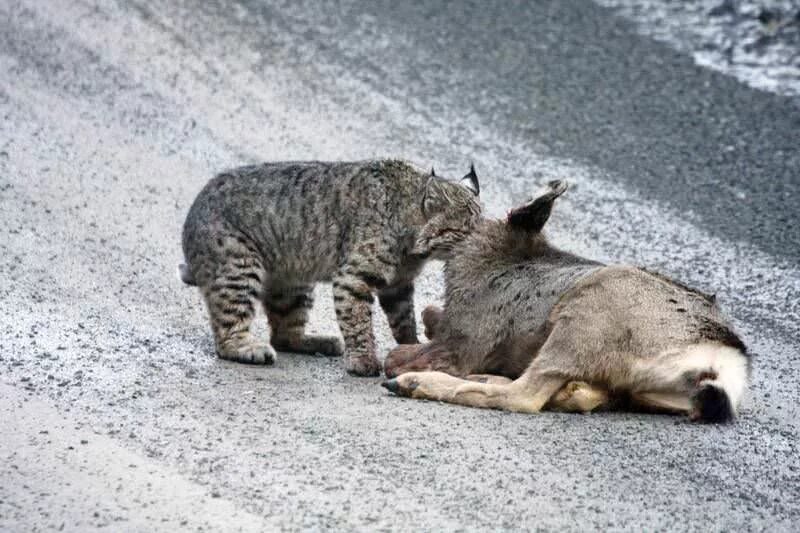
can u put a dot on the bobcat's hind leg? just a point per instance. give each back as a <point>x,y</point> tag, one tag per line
<point>231,298</point>
<point>287,311</point>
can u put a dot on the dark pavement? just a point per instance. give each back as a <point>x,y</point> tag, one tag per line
<point>114,411</point>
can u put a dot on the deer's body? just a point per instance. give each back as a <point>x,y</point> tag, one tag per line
<point>570,332</point>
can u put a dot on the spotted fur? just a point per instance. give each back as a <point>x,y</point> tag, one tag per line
<point>265,234</point>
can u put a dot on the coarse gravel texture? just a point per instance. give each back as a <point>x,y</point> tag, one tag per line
<point>115,413</point>
<point>756,41</point>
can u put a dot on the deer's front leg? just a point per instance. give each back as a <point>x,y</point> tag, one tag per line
<point>425,385</point>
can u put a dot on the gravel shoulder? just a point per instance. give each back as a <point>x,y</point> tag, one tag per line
<point>117,114</point>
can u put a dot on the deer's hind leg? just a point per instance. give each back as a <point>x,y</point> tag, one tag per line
<point>557,364</point>
<point>578,397</point>
<point>499,392</point>
<point>666,402</point>
<point>573,397</point>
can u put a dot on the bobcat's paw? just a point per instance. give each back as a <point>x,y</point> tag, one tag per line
<point>254,353</point>
<point>362,365</point>
<point>322,344</point>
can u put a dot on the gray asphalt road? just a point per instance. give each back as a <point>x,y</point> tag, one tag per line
<point>113,410</point>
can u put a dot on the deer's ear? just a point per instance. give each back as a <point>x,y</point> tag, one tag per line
<point>470,181</point>
<point>533,215</point>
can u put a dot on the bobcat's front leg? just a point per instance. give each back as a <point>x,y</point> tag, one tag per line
<point>397,302</point>
<point>352,299</point>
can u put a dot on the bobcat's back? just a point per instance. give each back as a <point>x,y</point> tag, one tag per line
<point>300,218</point>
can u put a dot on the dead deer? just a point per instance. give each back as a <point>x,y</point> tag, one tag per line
<point>549,329</point>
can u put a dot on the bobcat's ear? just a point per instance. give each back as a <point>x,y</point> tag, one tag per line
<point>470,181</point>
<point>533,215</point>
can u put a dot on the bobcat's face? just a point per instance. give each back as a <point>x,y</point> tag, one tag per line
<point>452,211</point>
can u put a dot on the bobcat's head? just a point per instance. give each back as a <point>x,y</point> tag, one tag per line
<point>451,211</point>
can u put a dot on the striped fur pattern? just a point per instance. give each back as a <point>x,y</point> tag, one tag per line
<point>568,333</point>
<point>265,234</point>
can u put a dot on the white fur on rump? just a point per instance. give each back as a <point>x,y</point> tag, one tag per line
<point>728,363</point>
<point>675,371</point>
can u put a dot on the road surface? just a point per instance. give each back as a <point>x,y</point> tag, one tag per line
<point>115,413</point>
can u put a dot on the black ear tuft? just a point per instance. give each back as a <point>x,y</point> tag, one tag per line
<point>433,172</point>
<point>533,216</point>
<point>470,181</point>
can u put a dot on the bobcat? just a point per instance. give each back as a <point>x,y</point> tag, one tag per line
<point>573,334</point>
<point>267,233</point>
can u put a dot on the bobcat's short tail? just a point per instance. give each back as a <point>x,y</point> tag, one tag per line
<point>185,275</point>
<point>719,392</point>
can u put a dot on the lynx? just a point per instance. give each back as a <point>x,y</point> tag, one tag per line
<point>265,234</point>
